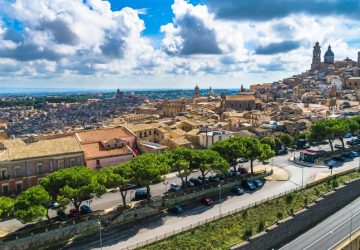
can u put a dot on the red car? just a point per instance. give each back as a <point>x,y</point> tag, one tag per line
<point>206,201</point>
<point>74,213</point>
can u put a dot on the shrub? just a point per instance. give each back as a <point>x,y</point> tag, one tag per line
<point>289,198</point>
<point>306,200</point>
<point>245,214</point>
<point>335,183</point>
<point>280,215</point>
<point>248,232</point>
<point>317,192</point>
<point>261,225</point>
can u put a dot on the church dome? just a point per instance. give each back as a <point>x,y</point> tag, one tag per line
<point>329,52</point>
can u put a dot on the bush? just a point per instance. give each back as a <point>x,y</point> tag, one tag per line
<point>245,214</point>
<point>280,215</point>
<point>248,232</point>
<point>261,225</point>
<point>289,198</point>
<point>317,192</point>
<point>335,183</point>
<point>306,200</point>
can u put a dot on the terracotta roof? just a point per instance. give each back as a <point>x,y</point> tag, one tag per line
<point>180,141</point>
<point>107,134</point>
<point>240,98</point>
<point>96,150</point>
<point>141,127</point>
<point>16,149</point>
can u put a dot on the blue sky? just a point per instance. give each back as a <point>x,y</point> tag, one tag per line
<point>168,44</point>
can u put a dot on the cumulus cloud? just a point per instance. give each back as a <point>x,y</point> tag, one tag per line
<point>261,10</point>
<point>276,48</point>
<point>192,32</point>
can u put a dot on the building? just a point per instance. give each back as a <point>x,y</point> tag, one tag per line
<point>316,59</point>
<point>352,83</point>
<point>3,131</point>
<point>329,56</point>
<point>173,108</point>
<point>196,92</point>
<point>243,101</point>
<point>107,147</point>
<point>208,138</point>
<point>22,165</point>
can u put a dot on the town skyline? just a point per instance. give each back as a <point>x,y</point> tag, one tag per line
<point>157,45</point>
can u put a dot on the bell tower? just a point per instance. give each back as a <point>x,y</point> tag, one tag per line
<point>316,59</point>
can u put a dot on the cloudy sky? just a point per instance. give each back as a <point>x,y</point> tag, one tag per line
<point>168,43</point>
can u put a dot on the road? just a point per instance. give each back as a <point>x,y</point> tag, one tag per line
<point>330,232</point>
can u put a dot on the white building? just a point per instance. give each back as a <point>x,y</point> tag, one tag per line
<point>206,139</point>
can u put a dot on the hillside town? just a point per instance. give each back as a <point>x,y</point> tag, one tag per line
<point>105,132</point>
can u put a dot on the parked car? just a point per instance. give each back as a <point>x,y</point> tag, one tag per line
<point>242,160</point>
<point>204,180</point>
<point>331,162</point>
<point>85,209</point>
<point>258,183</point>
<point>206,201</point>
<point>338,158</point>
<point>74,213</point>
<point>214,178</point>
<point>177,209</point>
<point>141,194</point>
<point>188,184</point>
<point>238,191</point>
<point>174,187</point>
<point>249,185</point>
<point>347,155</point>
<point>348,135</point>
<point>196,182</point>
<point>53,205</point>
<point>282,152</point>
<point>354,154</point>
<point>339,146</point>
<point>243,170</point>
<point>61,215</point>
<point>220,176</point>
<point>232,173</point>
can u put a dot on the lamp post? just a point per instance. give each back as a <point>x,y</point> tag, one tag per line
<point>220,198</point>
<point>100,235</point>
<point>302,177</point>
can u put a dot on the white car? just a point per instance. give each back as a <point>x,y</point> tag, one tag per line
<point>174,187</point>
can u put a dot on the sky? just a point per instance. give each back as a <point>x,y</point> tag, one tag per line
<point>140,44</point>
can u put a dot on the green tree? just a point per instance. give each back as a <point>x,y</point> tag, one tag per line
<point>30,205</point>
<point>148,167</point>
<point>6,206</point>
<point>230,149</point>
<point>117,177</point>
<point>74,185</point>
<point>269,141</point>
<point>255,150</point>
<point>286,139</point>
<point>180,159</point>
<point>207,160</point>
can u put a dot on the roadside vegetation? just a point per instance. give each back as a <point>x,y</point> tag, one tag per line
<point>234,229</point>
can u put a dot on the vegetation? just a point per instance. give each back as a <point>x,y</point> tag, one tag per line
<point>180,159</point>
<point>30,205</point>
<point>207,160</point>
<point>220,234</point>
<point>6,206</point>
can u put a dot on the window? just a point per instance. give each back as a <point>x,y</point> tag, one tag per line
<point>18,187</point>
<point>98,163</point>
<point>72,162</point>
<point>145,134</point>
<point>5,188</point>
<point>17,172</point>
<point>40,168</point>
<point>150,132</point>
<point>4,174</point>
<point>140,135</point>
<point>61,164</point>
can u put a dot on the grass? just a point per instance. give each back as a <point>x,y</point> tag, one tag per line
<point>233,229</point>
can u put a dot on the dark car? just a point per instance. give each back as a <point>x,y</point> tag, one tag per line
<point>238,191</point>
<point>206,201</point>
<point>85,209</point>
<point>141,194</point>
<point>249,185</point>
<point>339,146</point>
<point>188,184</point>
<point>242,160</point>
<point>232,173</point>
<point>74,213</point>
<point>338,158</point>
<point>243,170</point>
<point>220,176</point>
<point>348,135</point>
<point>214,178</point>
<point>204,180</point>
<point>258,183</point>
<point>61,215</point>
<point>282,152</point>
<point>196,182</point>
<point>347,155</point>
<point>177,209</point>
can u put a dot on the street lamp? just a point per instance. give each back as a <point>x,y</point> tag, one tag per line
<point>220,198</point>
<point>100,235</point>
<point>302,177</point>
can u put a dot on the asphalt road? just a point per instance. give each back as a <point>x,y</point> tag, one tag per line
<point>330,232</point>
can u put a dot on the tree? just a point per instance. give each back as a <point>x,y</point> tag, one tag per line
<point>255,150</point>
<point>6,206</point>
<point>147,168</point>
<point>269,141</point>
<point>230,149</point>
<point>286,139</point>
<point>180,159</point>
<point>117,177</point>
<point>74,185</point>
<point>207,160</point>
<point>30,205</point>
<point>330,130</point>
